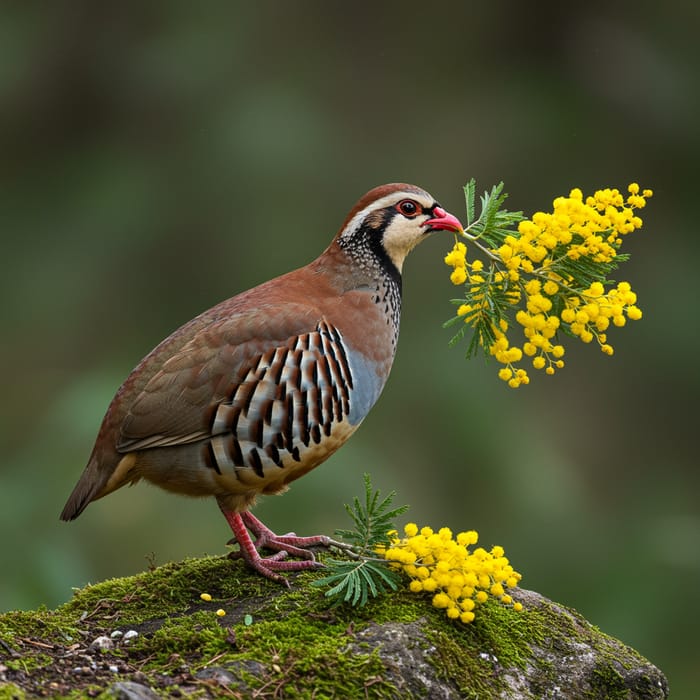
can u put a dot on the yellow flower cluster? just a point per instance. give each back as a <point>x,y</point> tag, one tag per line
<point>590,313</point>
<point>457,259</point>
<point>457,576</point>
<point>539,271</point>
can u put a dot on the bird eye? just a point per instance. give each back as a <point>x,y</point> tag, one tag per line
<point>408,208</point>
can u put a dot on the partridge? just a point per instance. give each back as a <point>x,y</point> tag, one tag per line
<point>260,389</point>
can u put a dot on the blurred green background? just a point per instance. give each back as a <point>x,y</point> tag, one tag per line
<point>158,158</point>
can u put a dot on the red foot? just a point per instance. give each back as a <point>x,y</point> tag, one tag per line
<point>283,545</point>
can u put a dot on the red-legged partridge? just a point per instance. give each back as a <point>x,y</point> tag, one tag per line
<point>265,386</point>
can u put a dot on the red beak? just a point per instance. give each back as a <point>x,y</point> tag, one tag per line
<point>444,221</point>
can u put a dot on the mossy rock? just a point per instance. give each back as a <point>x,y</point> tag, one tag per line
<point>274,642</point>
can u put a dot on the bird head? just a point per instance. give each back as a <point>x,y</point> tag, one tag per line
<point>392,219</point>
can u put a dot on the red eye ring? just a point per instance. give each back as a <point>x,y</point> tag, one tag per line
<point>409,208</point>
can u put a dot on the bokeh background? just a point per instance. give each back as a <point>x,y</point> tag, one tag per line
<point>157,158</point>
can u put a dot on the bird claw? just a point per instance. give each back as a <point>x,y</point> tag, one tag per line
<point>269,566</point>
<point>282,546</point>
<point>237,554</point>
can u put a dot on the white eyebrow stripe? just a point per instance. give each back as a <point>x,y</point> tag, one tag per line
<point>387,200</point>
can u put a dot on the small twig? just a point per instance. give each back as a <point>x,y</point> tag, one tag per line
<point>9,649</point>
<point>41,645</point>
<point>215,658</point>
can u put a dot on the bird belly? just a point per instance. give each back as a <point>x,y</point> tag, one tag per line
<point>208,468</point>
<point>268,475</point>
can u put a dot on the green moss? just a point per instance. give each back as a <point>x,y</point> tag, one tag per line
<point>28,664</point>
<point>25,624</point>
<point>472,655</point>
<point>18,626</point>
<point>163,591</point>
<point>308,652</point>
<point>10,691</point>
<point>607,679</point>
<point>293,641</point>
<point>399,606</point>
<point>277,640</point>
<point>198,634</point>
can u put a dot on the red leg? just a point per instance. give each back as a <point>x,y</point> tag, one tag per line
<point>283,544</point>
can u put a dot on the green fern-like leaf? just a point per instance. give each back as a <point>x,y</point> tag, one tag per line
<point>372,520</point>
<point>469,195</point>
<point>355,582</point>
<point>364,575</point>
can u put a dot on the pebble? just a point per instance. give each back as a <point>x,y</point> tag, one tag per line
<point>128,690</point>
<point>217,674</point>
<point>129,636</point>
<point>101,643</point>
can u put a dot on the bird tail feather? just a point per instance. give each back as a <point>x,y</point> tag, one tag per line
<point>87,489</point>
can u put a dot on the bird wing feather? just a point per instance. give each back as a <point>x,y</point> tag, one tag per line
<point>177,404</point>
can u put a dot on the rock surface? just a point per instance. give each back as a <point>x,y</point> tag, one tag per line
<point>282,643</point>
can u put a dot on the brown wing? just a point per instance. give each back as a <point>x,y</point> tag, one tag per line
<point>178,403</point>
